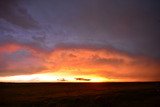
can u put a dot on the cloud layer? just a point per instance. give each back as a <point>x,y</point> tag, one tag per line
<point>75,61</point>
<point>107,38</point>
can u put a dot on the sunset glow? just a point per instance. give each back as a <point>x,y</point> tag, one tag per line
<point>42,41</point>
<point>98,65</point>
<point>50,78</point>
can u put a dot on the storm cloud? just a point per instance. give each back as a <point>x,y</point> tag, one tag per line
<point>33,33</point>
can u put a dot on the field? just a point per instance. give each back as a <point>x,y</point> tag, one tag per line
<point>129,94</point>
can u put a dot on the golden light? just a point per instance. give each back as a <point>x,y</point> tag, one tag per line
<point>47,77</point>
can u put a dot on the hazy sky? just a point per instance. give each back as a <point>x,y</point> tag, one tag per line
<point>113,39</point>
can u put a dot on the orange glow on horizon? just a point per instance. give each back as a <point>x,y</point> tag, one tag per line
<point>99,65</point>
<point>51,78</point>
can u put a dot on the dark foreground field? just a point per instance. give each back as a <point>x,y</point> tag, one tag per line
<point>80,94</point>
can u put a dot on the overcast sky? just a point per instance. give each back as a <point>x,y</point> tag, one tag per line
<point>30,30</point>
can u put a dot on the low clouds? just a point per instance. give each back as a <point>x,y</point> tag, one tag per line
<point>75,61</point>
<point>16,60</point>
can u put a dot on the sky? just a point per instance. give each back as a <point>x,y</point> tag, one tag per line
<point>101,40</point>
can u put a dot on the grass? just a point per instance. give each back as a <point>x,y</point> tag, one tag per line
<point>80,94</point>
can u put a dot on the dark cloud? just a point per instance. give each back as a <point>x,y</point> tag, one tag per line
<point>39,39</point>
<point>131,26</point>
<point>6,39</point>
<point>14,13</point>
<point>108,61</point>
